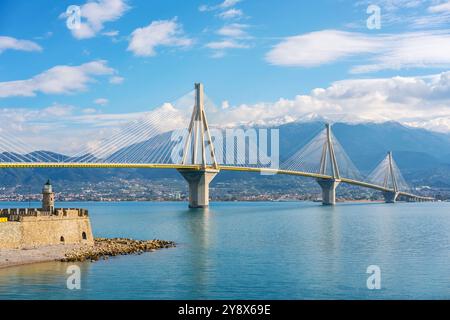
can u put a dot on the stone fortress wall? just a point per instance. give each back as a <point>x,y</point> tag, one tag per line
<point>33,227</point>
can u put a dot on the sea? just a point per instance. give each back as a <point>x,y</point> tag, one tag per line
<point>255,250</point>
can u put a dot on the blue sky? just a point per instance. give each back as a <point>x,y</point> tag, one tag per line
<point>267,59</point>
<point>241,76</point>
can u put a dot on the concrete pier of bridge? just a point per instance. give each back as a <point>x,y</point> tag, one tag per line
<point>328,190</point>
<point>198,182</point>
<point>390,196</point>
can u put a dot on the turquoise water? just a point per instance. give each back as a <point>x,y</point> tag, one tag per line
<point>285,250</point>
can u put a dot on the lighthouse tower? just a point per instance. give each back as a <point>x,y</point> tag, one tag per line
<point>48,197</point>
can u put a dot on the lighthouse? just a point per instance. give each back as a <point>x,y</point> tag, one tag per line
<point>48,198</point>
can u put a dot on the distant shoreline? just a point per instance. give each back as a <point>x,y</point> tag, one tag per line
<point>181,201</point>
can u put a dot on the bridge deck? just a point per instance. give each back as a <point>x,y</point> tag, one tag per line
<point>13,165</point>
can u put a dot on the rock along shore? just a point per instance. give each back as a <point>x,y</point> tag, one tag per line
<point>105,248</point>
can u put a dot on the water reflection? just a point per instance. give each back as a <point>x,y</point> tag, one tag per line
<point>330,230</point>
<point>201,234</point>
<point>16,281</point>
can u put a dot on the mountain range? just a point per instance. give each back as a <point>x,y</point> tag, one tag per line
<point>423,156</point>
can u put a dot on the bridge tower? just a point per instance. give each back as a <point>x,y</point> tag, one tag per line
<point>195,152</point>
<point>328,157</point>
<point>390,196</point>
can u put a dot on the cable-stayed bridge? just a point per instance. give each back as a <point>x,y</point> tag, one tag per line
<point>163,139</point>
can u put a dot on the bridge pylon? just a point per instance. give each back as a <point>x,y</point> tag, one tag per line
<point>390,196</point>
<point>329,158</point>
<point>197,143</point>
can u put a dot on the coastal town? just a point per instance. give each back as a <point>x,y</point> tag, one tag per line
<point>173,189</point>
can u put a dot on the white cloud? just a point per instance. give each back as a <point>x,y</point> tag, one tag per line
<point>9,43</point>
<point>420,101</point>
<point>223,5</point>
<point>112,33</point>
<point>232,34</point>
<point>101,101</point>
<point>234,37</point>
<point>159,33</point>
<point>234,30</point>
<point>89,110</point>
<point>441,124</point>
<point>316,48</point>
<point>411,50</point>
<point>423,14</point>
<point>25,121</point>
<point>95,13</point>
<point>57,110</point>
<point>380,52</point>
<point>58,128</point>
<point>443,7</point>
<point>57,80</point>
<point>70,130</point>
<point>226,44</point>
<point>225,10</point>
<point>231,14</point>
<point>229,3</point>
<point>116,80</point>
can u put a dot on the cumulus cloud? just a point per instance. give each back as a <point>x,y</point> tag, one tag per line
<point>57,80</point>
<point>378,52</point>
<point>420,101</point>
<point>158,33</point>
<point>94,14</point>
<point>9,43</point>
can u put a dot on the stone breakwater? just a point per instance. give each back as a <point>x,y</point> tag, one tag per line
<point>104,248</point>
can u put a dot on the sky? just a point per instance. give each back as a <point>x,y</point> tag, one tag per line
<point>264,62</point>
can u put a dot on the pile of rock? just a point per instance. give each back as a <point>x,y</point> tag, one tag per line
<point>104,248</point>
